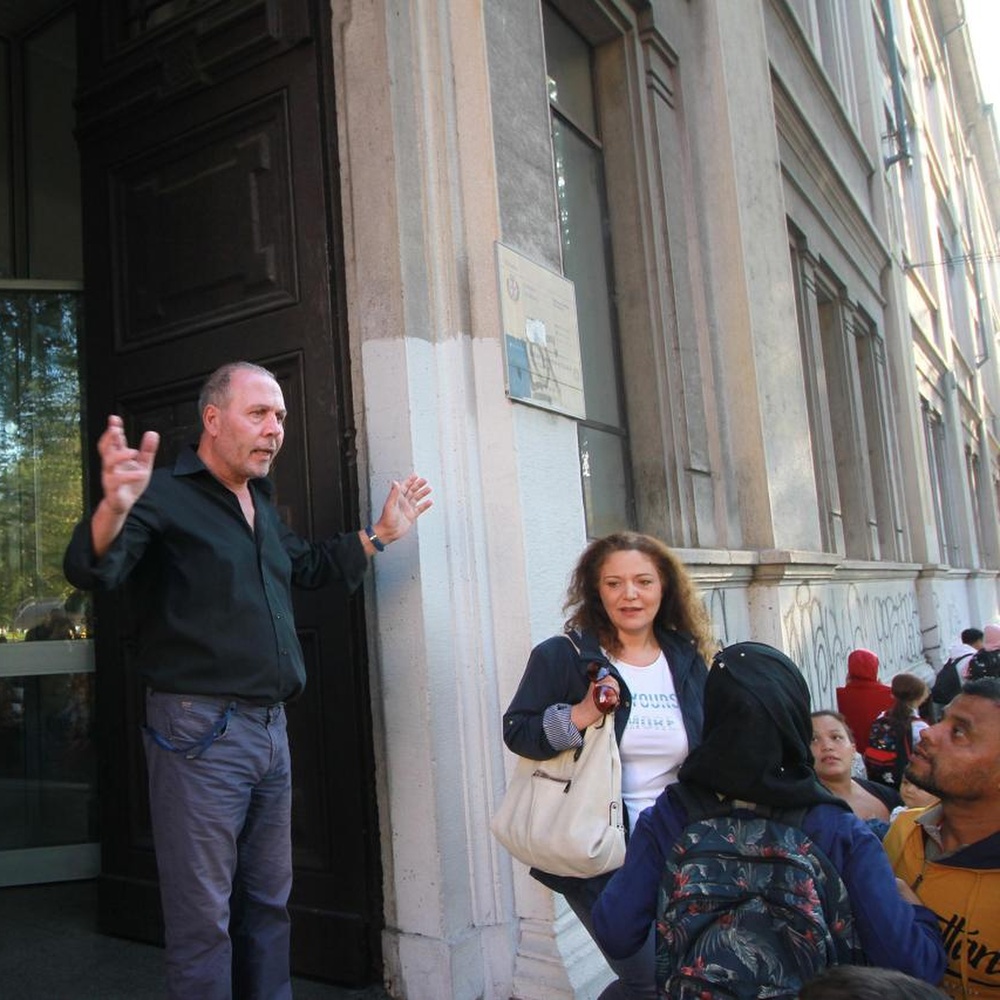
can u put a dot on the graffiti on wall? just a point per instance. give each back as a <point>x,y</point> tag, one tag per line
<point>951,619</point>
<point>820,631</point>
<point>715,603</point>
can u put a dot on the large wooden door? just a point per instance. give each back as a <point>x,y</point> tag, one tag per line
<point>211,235</point>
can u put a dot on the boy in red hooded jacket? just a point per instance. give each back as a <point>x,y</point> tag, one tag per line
<point>863,697</point>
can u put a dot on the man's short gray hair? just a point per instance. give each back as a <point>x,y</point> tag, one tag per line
<point>215,391</point>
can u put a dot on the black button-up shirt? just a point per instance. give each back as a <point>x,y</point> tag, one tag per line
<point>210,598</point>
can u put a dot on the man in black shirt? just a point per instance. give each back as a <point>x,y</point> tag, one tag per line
<point>210,567</point>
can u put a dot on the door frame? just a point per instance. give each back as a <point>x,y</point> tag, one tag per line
<point>103,392</point>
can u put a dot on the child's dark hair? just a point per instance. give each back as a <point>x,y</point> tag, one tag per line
<point>858,982</point>
<point>907,689</point>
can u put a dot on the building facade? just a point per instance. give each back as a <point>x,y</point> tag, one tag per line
<point>781,222</point>
<point>779,219</point>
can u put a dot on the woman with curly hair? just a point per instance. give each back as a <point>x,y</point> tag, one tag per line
<point>636,642</point>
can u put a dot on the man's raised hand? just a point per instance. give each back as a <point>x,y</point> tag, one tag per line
<point>405,503</point>
<point>125,471</point>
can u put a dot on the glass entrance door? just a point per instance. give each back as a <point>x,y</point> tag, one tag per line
<point>48,762</point>
<point>48,826</point>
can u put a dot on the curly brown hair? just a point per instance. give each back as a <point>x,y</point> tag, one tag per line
<point>680,609</point>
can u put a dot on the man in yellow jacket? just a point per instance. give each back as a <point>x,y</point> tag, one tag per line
<point>949,853</point>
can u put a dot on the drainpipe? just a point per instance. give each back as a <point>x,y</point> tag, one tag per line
<point>901,134</point>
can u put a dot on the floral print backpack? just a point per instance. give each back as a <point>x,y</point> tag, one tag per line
<point>749,906</point>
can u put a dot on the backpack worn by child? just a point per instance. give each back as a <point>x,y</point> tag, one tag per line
<point>888,751</point>
<point>749,906</point>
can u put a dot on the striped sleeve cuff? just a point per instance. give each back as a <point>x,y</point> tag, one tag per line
<point>559,728</point>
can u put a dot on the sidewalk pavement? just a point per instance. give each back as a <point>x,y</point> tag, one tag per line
<point>49,950</point>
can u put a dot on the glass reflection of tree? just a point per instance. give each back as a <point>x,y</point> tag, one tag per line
<point>40,458</point>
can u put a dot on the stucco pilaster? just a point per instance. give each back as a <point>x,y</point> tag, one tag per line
<point>451,620</point>
<point>752,311</point>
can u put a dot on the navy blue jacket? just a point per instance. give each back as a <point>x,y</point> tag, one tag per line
<point>894,933</point>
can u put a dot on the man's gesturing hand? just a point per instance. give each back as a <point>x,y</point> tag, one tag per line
<point>125,471</point>
<point>405,503</point>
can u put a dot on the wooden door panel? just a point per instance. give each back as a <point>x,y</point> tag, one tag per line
<point>207,238</point>
<point>142,56</point>
<point>173,278</point>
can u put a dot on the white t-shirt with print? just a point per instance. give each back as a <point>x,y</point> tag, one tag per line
<point>654,743</point>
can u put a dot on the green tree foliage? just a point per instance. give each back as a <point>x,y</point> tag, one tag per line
<point>41,493</point>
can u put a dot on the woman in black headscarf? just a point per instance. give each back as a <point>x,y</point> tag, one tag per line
<point>754,759</point>
<point>755,743</point>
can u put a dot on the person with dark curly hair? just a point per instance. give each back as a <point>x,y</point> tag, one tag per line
<point>636,642</point>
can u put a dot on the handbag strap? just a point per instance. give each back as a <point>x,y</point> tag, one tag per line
<point>572,638</point>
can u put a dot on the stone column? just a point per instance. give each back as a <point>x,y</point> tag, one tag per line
<point>453,612</point>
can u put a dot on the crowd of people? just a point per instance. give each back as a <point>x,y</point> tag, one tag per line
<point>773,850</point>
